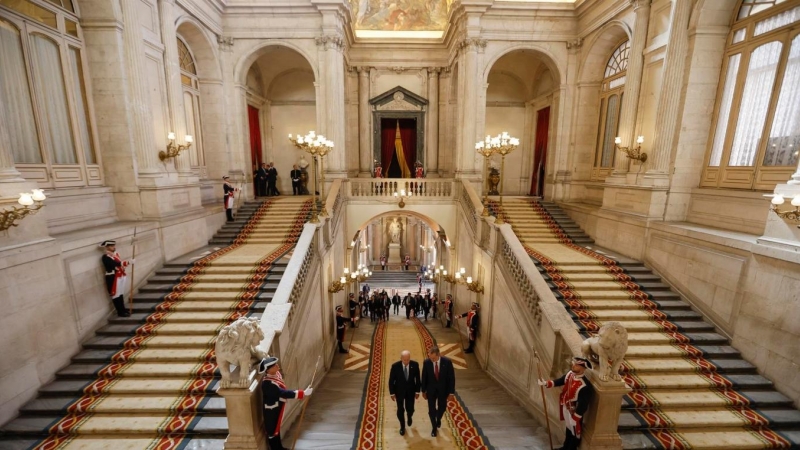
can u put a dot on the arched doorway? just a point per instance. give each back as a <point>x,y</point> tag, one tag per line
<point>518,100</point>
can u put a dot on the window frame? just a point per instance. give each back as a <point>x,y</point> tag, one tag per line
<point>193,91</point>
<point>49,174</point>
<point>758,176</point>
<point>600,173</point>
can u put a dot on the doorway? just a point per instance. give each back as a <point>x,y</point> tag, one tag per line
<point>398,147</point>
<point>540,151</point>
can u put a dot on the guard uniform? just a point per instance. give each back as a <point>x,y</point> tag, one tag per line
<point>473,320</point>
<point>448,310</point>
<point>341,324</point>
<point>274,395</point>
<point>352,305</point>
<point>228,191</point>
<point>576,393</point>
<point>116,278</point>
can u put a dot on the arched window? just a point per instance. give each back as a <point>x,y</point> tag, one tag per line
<point>756,133</point>
<point>44,96</point>
<point>191,106</point>
<point>611,91</point>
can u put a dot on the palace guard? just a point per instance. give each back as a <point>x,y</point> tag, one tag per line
<point>275,394</point>
<point>341,323</point>
<point>576,393</point>
<point>448,310</point>
<point>473,321</point>
<point>116,278</point>
<point>228,191</point>
<point>352,306</point>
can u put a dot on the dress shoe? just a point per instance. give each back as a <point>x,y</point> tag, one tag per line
<point>466,350</point>
<point>439,423</point>
<point>402,431</point>
<point>433,433</point>
<point>410,421</point>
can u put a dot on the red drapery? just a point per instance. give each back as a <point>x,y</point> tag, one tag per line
<point>255,138</point>
<point>408,133</point>
<point>540,151</point>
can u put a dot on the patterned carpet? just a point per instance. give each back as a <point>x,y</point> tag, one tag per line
<point>680,400</point>
<point>149,393</point>
<point>379,427</point>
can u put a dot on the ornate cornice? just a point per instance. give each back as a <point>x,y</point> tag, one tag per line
<point>434,71</point>
<point>575,43</point>
<point>473,44</point>
<point>330,42</point>
<point>225,42</point>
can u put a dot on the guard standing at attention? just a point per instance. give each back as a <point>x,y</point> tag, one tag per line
<point>341,323</point>
<point>228,191</point>
<point>295,175</point>
<point>274,396</point>
<point>473,320</point>
<point>352,305</point>
<point>448,310</point>
<point>576,394</point>
<point>116,278</point>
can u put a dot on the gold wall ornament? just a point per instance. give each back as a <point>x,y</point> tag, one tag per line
<point>502,144</point>
<point>337,285</point>
<point>486,150</point>
<point>402,195</point>
<point>175,150</point>
<point>315,145</point>
<point>789,214</point>
<point>632,153</point>
<point>31,202</point>
<point>460,278</point>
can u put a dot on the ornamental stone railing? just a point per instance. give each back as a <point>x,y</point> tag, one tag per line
<point>416,187</point>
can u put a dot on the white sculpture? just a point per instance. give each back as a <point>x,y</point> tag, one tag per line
<point>394,231</point>
<point>237,344</point>
<point>607,349</point>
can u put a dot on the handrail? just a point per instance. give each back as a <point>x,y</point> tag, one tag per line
<point>386,187</point>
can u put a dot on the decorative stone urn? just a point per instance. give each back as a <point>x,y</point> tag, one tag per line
<point>494,181</point>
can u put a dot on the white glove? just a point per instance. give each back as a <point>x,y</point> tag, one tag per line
<point>131,261</point>
<point>542,382</point>
<point>308,391</point>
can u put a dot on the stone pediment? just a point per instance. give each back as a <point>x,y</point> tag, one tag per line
<point>398,99</point>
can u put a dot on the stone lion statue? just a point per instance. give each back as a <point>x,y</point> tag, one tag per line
<point>237,344</point>
<point>607,349</point>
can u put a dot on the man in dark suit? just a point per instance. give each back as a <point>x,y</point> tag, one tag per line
<point>438,384</point>
<point>272,178</point>
<point>408,302</point>
<point>261,180</point>
<point>295,174</point>
<point>404,386</point>
<point>396,300</point>
<point>426,304</point>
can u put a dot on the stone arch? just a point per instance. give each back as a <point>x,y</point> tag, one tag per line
<point>200,44</point>
<point>547,56</point>
<point>279,80</point>
<point>599,48</point>
<point>713,14</point>
<point>250,56</point>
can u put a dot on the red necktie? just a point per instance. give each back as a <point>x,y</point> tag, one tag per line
<point>436,370</point>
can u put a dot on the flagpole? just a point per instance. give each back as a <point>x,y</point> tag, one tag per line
<point>133,268</point>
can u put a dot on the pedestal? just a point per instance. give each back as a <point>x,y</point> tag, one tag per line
<point>602,419</point>
<point>245,416</point>
<point>394,254</point>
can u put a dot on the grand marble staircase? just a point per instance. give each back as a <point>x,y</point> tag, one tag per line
<point>690,388</point>
<point>148,381</point>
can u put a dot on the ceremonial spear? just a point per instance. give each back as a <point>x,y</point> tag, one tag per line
<point>305,403</point>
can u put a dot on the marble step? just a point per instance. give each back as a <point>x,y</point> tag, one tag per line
<point>708,398</point>
<point>204,285</point>
<point>277,266</point>
<point>276,270</point>
<point>127,387</point>
<point>213,405</point>
<point>98,442</point>
<point>89,371</point>
<point>650,326</point>
<point>666,383</point>
<point>638,315</point>
<point>592,304</point>
<point>155,342</point>
<point>777,418</point>
<point>168,329</point>
<point>138,318</point>
<point>199,306</point>
<point>263,294</point>
<point>643,338</point>
<point>118,425</point>
<point>640,366</point>
<point>174,355</point>
<point>671,351</point>
<point>711,439</point>
<point>606,284</point>
<point>212,278</point>
<point>585,294</point>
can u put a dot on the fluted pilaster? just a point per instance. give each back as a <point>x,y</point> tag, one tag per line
<point>633,85</point>
<point>364,120</point>
<point>432,136</point>
<point>138,99</point>
<point>669,101</point>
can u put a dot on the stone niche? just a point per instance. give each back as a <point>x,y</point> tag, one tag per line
<point>398,103</point>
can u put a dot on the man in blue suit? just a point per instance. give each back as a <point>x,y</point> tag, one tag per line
<point>438,384</point>
<point>404,386</point>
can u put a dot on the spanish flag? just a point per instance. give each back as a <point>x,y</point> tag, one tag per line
<point>401,157</point>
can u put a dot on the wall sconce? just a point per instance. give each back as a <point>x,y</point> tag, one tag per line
<point>338,285</point>
<point>174,150</point>
<point>402,196</point>
<point>790,214</point>
<point>461,278</point>
<point>30,201</point>
<point>633,153</point>
<point>436,275</point>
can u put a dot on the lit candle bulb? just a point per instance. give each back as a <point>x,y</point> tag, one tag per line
<point>188,138</point>
<point>38,195</point>
<point>617,140</point>
<point>171,136</point>
<point>25,199</point>
<point>777,199</point>
<point>640,139</point>
<point>795,200</point>
<point>469,280</point>
<point>343,280</point>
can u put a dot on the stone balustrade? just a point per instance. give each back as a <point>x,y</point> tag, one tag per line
<point>416,187</point>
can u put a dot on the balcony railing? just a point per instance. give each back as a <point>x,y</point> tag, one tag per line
<point>417,187</point>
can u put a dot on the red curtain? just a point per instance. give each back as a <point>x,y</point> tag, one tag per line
<point>255,138</point>
<point>540,151</point>
<point>387,144</point>
<point>408,133</point>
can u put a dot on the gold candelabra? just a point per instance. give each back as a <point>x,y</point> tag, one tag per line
<point>322,152</point>
<point>502,144</point>
<point>632,153</point>
<point>313,144</point>
<point>175,150</point>
<point>361,274</point>
<point>31,202</point>
<point>460,278</point>
<point>789,214</point>
<point>486,151</point>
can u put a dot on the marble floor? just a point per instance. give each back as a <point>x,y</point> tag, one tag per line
<point>333,413</point>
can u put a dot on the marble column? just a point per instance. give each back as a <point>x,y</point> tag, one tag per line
<point>364,121</point>
<point>172,71</point>
<point>633,85</point>
<point>8,171</point>
<point>432,136</point>
<point>469,107</point>
<point>138,99</point>
<point>669,101</point>
<point>332,51</point>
